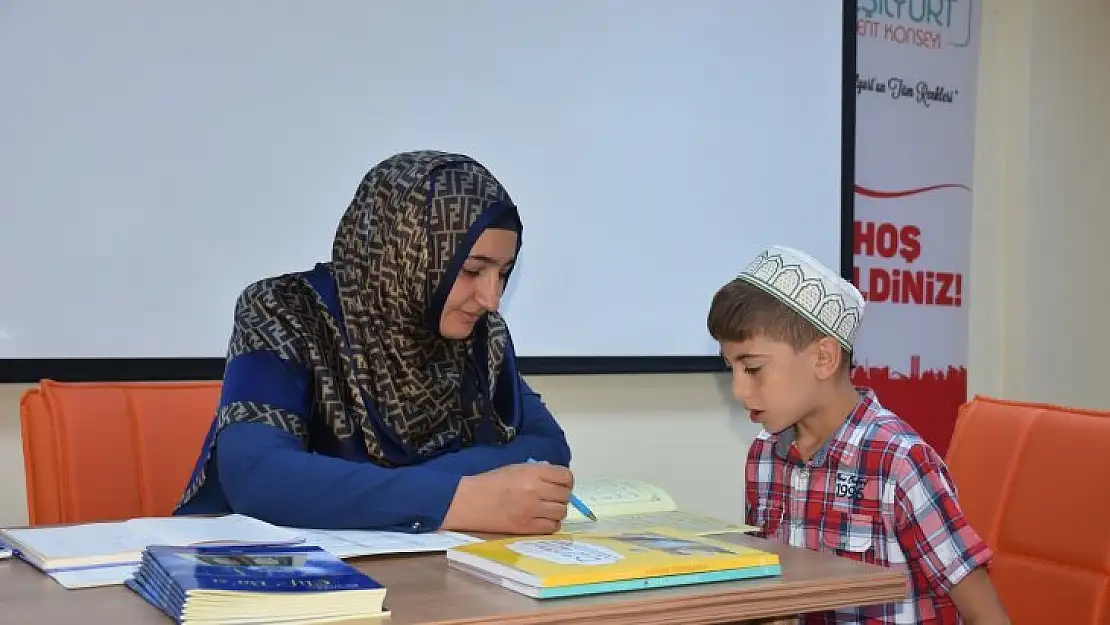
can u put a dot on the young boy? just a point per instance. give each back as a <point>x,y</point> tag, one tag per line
<point>832,469</point>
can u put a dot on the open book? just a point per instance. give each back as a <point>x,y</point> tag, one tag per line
<point>57,548</point>
<point>627,504</point>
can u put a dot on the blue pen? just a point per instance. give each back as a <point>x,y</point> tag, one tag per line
<point>577,503</point>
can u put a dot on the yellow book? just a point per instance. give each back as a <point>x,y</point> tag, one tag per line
<point>575,559</point>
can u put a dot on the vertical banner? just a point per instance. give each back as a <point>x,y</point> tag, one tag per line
<point>915,115</point>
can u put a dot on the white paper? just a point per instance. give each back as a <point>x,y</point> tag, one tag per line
<point>358,543</point>
<point>95,577</point>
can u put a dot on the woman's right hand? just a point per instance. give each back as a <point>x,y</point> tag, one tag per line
<point>516,499</point>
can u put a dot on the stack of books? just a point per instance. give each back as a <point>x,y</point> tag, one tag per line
<point>255,584</point>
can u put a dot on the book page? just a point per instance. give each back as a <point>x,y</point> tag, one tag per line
<point>232,528</point>
<point>682,521</point>
<point>610,497</point>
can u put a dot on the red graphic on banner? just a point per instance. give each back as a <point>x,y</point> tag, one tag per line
<point>903,286</point>
<point>928,400</point>
<point>886,195</point>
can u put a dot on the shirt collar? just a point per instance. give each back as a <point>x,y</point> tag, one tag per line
<point>842,443</point>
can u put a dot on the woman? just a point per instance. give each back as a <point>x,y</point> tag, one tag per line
<point>380,390</point>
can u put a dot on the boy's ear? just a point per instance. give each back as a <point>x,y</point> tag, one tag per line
<point>828,357</point>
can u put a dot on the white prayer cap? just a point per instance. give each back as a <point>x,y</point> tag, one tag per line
<point>816,292</point>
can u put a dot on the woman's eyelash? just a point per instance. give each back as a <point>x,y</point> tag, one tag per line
<point>474,273</point>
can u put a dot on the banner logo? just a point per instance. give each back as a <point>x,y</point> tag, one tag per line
<point>926,24</point>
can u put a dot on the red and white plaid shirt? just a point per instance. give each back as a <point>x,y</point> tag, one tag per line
<point>875,493</point>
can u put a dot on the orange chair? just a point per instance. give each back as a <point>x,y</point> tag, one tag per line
<point>1034,480</point>
<point>111,451</point>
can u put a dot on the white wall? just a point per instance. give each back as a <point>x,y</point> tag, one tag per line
<point>1042,214</point>
<point>1042,166</point>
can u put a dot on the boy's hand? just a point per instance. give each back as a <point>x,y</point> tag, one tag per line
<point>976,600</point>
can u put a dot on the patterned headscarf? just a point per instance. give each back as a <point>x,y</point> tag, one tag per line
<point>397,252</point>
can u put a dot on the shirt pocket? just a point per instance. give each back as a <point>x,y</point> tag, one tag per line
<point>768,518</point>
<point>852,535</point>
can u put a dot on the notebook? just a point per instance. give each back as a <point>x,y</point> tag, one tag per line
<point>67,547</point>
<point>255,584</point>
<point>569,564</point>
<point>627,504</point>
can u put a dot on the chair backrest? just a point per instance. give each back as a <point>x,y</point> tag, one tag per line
<point>111,451</point>
<point>1034,480</point>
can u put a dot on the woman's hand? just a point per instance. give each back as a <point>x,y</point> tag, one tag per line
<point>516,499</point>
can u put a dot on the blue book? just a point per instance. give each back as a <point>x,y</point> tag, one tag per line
<point>250,584</point>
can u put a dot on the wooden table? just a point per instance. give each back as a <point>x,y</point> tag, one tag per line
<point>421,589</point>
